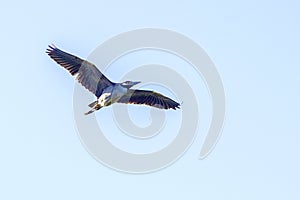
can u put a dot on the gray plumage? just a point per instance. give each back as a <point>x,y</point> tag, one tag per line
<point>106,91</point>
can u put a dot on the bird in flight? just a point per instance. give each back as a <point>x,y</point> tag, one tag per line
<point>106,91</point>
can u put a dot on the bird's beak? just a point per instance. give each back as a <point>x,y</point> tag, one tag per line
<point>136,82</point>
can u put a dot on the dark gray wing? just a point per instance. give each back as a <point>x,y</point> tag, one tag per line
<point>87,73</point>
<point>149,98</point>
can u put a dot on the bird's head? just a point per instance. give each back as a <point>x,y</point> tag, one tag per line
<point>129,84</point>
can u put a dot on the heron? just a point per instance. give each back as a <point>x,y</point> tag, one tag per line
<point>106,91</point>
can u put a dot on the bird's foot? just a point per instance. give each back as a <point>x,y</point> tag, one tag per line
<point>89,112</point>
<point>96,107</point>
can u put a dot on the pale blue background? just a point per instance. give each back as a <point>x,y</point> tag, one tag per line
<point>255,46</point>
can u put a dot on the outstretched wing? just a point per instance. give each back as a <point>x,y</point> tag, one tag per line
<point>87,73</point>
<point>149,98</point>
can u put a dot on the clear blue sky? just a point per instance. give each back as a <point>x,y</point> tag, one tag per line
<point>255,46</point>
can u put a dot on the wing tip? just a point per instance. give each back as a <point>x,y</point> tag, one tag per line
<point>51,48</point>
<point>176,106</point>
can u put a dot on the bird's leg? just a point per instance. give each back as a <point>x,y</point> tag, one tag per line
<point>94,108</point>
<point>91,105</point>
<point>89,112</point>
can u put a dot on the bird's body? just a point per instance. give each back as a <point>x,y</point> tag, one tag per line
<point>106,91</point>
<point>112,94</point>
<point>115,92</point>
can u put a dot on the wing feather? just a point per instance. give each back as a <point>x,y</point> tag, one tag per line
<point>149,98</point>
<point>87,73</point>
